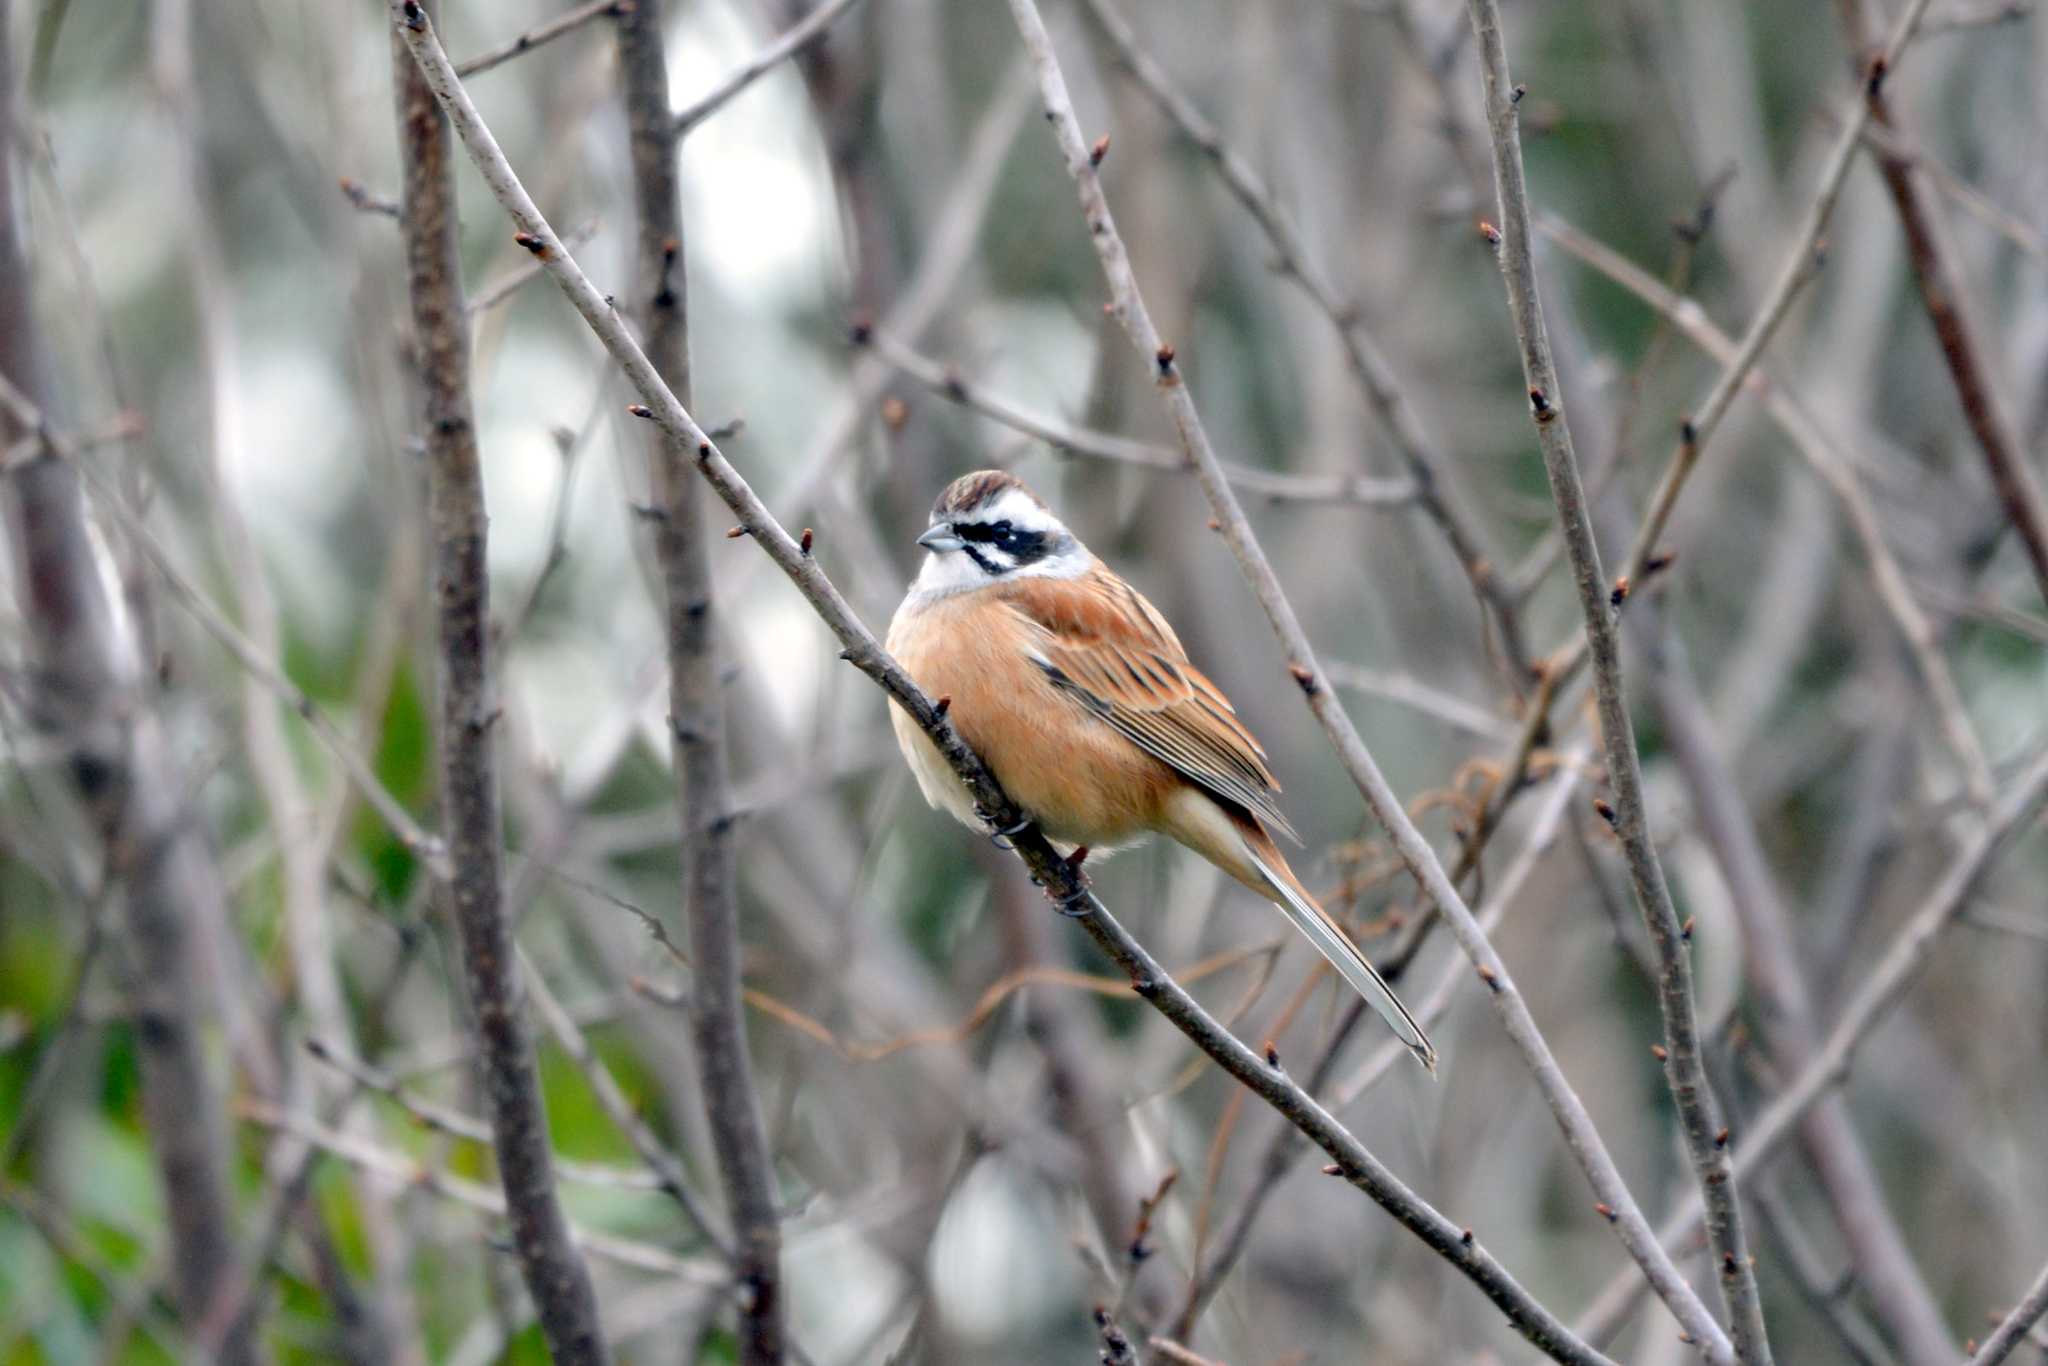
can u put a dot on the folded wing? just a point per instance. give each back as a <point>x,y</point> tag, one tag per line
<point>1100,641</point>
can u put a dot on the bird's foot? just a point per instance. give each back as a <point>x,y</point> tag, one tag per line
<point>1000,837</point>
<point>1080,901</point>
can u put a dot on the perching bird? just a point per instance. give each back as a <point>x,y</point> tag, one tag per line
<point>1079,698</point>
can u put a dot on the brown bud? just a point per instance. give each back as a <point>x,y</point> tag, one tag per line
<point>1605,1211</point>
<point>1165,358</point>
<point>944,703</point>
<point>1489,232</point>
<point>1606,810</point>
<point>803,542</point>
<point>1659,1052</point>
<point>533,243</point>
<point>1099,150</point>
<point>1620,593</point>
<point>895,412</point>
<point>640,410</point>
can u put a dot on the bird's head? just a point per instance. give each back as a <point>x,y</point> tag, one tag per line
<point>986,528</point>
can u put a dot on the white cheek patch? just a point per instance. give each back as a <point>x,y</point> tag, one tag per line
<point>944,573</point>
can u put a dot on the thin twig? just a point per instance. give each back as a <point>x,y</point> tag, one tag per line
<point>948,383</point>
<point>95,698</point>
<point>1128,307</point>
<point>541,34</point>
<point>1799,266</point>
<point>1699,1112</point>
<point>554,1271</point>
<point>406,1171</point>
<point>2013,1328</point>
<point>512,281</point>
<point>1962,17</point>
<point>1062,879</point>
<point>1285,1148</point>
<point>428,848</point>
<point>1884,1257</point>
<point>1827,1295</point>
<point>1944,298</point>
<point>792,41</point>
<point>666,1168</point>
<point>1882,986</point>
<point>1368,366</point>
<point>697,738</point>
<point>1835,468</point>
<point>1890,143</point>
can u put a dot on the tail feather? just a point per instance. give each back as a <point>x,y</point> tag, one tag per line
<point>1331,941</point>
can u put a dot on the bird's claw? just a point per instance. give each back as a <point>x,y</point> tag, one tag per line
<point>1001,837</point>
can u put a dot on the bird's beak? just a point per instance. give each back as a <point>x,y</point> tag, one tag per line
<point>939,538</point>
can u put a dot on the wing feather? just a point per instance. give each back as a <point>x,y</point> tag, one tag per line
<point>1098,640</point>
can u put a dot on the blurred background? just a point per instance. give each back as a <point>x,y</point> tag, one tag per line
<point>966,1108</point>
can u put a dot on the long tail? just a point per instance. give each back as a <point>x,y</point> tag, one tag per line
<point>1331,941</point>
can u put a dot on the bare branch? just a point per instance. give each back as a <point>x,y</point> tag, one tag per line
<point>1943,296</point>
<point>1699,1113</point>
<point>1836,470</point>
<point>1374,374</point>
<point>948,384</point>
<point>1062,879</point>
<point>794,40</point>
<point>1884,1258</point>
<point>2013,1328</point>
<point>1128,307</point>
<point>1882,986</point>
<point>541,34</point>
<point>93,697</point>
<point>405,1171</point>
<point>554,1271</point>
<point>697,741</point>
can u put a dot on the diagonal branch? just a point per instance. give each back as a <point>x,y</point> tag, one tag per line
<point>949,384</point>
<point>1128,306</point>
<point>1699,1113</point>
<point>861,649</point>
<point>1370,368</point>
<point>1941,295</point>
<point>2013,1329</point>
<point>1882,986</point>
<point>791,41</point>
<point>94,699</point>
<point>541,34</point>
<point>1883,1257</point>
<point>1833,465</point>
<point>554,1271</point>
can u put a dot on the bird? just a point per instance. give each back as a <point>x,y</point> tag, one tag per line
<point>1079,698</point>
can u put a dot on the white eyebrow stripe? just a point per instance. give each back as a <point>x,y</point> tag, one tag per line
<point>1020,510</point>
